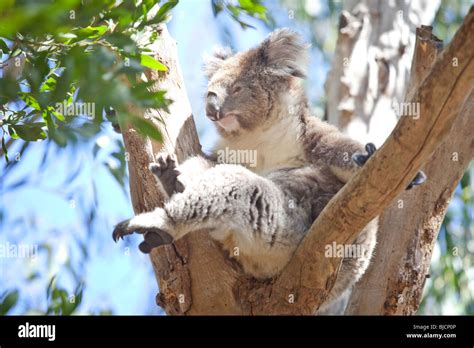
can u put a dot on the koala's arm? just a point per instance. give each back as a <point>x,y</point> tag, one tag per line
<point>327,147</point>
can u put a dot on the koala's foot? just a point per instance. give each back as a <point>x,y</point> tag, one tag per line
<point>154,237</point>
<point>360,160</point>
<point>419,179</point>
<point>167,174</point>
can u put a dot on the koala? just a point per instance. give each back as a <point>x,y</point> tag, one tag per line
<point>264,207</point>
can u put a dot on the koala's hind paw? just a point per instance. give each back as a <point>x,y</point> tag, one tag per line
<point>360,158</point>
<point>153,239</point>
<point>167,174</point>
<point>419,179</point>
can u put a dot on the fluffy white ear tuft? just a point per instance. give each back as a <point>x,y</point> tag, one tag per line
<point>213,62</point>
<point>284,52</point>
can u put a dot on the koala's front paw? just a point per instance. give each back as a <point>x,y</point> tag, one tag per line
<point>122,229</point>
<point>167,174</point>
<point>360,158</point>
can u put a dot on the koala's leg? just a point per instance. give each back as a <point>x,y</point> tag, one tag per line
<point>151,225</point>
<point>352,268</point>
<point>226,198</point>
<point>172,178</point>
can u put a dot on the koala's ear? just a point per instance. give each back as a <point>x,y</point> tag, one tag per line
<point>213,62</point>
<point>284,52</point>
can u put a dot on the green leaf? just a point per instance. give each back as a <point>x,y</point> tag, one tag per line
<point>91,32</point>
<point>30,101</point>
<point>165,8</point>
<point>252,6</point>
<point>34,276</point>
<point>49,84</point>
<point>51,286</point>
<point>4,47</point>
<point>4,148</point>
<point>58,115</point>
<point>152,63</point>
<point>162,14</point>
<point>12,132</point>
<point>9,302</point>
<point>30,131</point>
<point>216,7</point>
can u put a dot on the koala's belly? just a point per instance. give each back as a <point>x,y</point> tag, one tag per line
<point>260,261</point>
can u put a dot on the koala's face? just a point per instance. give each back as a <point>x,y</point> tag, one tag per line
<point>243,89</point>
<point>238,96</point>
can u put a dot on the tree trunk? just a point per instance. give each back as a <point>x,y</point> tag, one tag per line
<point>409,227</point>
<point>363,106</point>
<point>194,275</point>
<point>371,66</point>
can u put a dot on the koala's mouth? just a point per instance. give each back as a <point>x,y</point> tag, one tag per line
<point>228,122</point>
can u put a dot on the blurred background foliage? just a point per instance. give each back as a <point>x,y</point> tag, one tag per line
<point>63,178</point>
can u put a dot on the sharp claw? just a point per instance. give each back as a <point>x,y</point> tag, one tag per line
<point>359,159</point>
<point>370,148</point>
<point>419,179</point>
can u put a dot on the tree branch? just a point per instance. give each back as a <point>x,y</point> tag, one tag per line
<point>409,228</point>
<point>187,270</point>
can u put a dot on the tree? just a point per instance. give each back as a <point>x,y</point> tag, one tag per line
<point>394,284</point>
<point>81,54</point>
<point>196,278</point>
<point>77,53</point>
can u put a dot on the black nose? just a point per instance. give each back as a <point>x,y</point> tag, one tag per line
<point>212,106</point>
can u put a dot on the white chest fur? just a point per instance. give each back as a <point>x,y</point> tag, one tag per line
<point>266,148</point>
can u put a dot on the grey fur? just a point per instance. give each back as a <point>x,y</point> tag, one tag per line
<point>264,211</point>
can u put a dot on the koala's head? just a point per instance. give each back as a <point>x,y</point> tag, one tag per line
<point>246,88</point>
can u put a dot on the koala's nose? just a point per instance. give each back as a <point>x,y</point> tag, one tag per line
<point>212,106</point>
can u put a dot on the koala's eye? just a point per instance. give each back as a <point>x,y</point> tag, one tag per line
<point>236,89</point>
